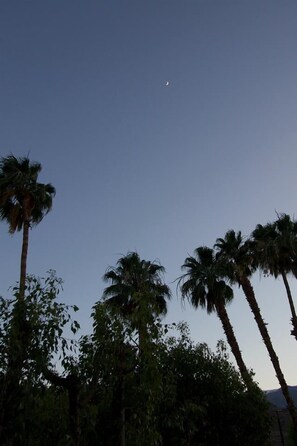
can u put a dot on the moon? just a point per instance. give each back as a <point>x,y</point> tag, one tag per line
<point>167,83</point>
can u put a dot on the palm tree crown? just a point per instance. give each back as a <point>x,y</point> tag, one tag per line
<point>274,248</point>
<point>276,245</point>
<point>22,198</point>
<point>237,255</point>
<point>136,287</point>
<point>202,283</point>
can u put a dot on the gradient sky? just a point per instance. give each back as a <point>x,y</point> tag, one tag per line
<point>141,166</point>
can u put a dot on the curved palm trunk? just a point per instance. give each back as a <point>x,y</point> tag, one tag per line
<point>23,269</point>
<point>250,296</point>
<point>291,303</point>
<point>228,329</point>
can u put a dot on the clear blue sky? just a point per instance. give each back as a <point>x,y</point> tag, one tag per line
<point>141,166</point>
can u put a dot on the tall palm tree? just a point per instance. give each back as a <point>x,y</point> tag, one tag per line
<point>203,285</point>
<point>274,247</point>
<point>237,255</point>
<point>23,201</point>
<point>137,292</point>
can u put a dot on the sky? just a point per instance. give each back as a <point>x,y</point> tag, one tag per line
<point>141,166</point>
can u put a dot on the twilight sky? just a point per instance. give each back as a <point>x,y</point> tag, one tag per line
<point>142,166</point>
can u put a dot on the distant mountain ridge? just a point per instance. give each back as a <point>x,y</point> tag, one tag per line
<point>276,397</point>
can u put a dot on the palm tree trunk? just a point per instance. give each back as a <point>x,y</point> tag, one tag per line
<point>250,296</point>
<point>123,426</point>
<point>72,385</point>
<point>11,392</point>
<point>19,341</point>
<point>118,429</point>
<point>229,332</point>
<point>73,391</point>
<point>23,269</point>
<point>142,341</point>
<point>291,303</point>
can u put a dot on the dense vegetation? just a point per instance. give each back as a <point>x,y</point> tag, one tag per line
<point>107,391</point>
<point>133,380</point>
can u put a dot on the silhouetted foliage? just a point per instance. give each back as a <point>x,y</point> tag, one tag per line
<point>103,394</point>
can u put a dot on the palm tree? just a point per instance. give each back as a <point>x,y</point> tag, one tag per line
<point>238,257</point>
<point>274,247</point>
<point>202,284</point>
<point>23,201</point>
<point>137,292</point>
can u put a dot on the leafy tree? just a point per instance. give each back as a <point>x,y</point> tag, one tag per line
<point>203,285</point>
<point>275,247</point>
<point>199,398</point>
<point>240,262</point>
<point>106,361</point>
<point>23,201</point>
<point>46,319</point>
<point>204,401</point>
